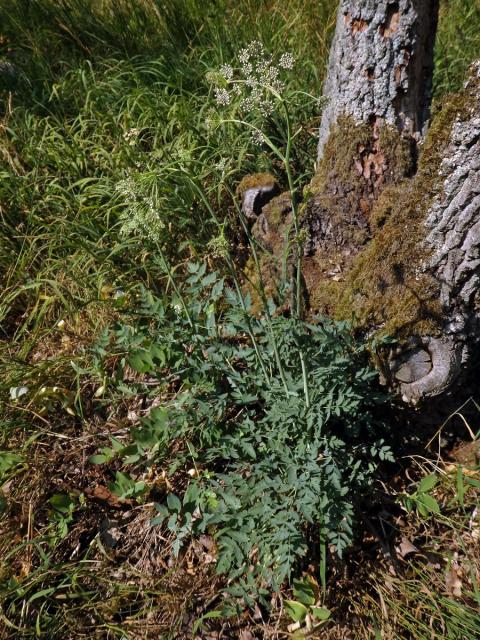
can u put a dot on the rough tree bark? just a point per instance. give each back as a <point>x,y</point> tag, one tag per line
<point>381,65</point>
<point>391,215</point>
<point>414,270</point>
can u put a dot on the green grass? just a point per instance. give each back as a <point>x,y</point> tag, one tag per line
<point>90,72</point>
<point>65,144</point>
<point>433,592</point>
<point>457,44</point>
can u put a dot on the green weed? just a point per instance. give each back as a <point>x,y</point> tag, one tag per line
<point>457,44</point>
<point>271,463</point>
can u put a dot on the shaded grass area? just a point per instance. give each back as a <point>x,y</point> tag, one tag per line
<point>103,91</point>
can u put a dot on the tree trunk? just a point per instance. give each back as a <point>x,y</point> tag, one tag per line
<point>391,216</point>
<point>392,240</point>
<point>381,65</point>
<point>451,246</point>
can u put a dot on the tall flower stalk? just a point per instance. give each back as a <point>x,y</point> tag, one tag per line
<point>257,83</point>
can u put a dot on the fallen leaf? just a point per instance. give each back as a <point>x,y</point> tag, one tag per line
<point>405,548</point>
<point>208,542</point>
<point>102,493</point>
<point>453,584</point>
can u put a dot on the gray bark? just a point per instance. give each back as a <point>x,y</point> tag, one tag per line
<point>255,198</point>
<point>452,240</point>
<point>380,74</point>
<point>381,65</point>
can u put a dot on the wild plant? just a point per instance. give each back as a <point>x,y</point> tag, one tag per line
<point>256,87</point>
<point>265,472</point>
<point>273,421</point>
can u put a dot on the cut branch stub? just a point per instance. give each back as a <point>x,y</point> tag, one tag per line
<point>255,191</point>
<point>427,370</point>
<point>381,65</point>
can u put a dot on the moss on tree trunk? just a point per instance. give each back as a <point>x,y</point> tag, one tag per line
<point>390,219</point>
<point>411,270</point>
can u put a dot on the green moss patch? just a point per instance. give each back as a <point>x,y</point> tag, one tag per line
<point>383,287</point>
<point>254,180</point>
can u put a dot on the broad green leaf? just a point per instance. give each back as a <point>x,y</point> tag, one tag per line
<point>158,354</point>
<point>193,267</point>
<point>174,503</point>
<point>430,503</point>
<point>62,502</point>
<point>296,610</point>
<point>116,444</point>
<point>231,501</point>
<point>321,613</point>
<point>209,279</point>
<point>141,361</point>
<point>304,592</point>
<point>422,509</point>
<point>98,459</point>
<point>427,483</point>
<point>123,480</point>
<point>249,450</point>
<point>140,487</point>
<point>8,460</point>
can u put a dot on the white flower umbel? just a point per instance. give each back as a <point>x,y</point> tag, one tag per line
<point>131,135</point>
<point>222,96</point>
<point>256,79</point>
<point>286,61</point>
<point>141,212</point>
<point>258,137</point>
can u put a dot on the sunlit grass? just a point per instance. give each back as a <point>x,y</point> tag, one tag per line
<point>457,44</point>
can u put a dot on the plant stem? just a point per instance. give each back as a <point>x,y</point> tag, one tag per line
<point>264,301</point>
<point>231,268</point>
<point>293,195</point>
<point>171,279</point>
